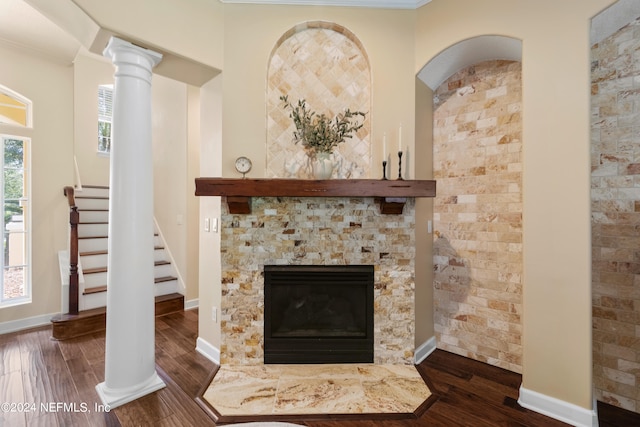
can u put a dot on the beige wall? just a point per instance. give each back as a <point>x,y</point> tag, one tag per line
<point>88,74</point>
<point>209,248</point>
<point>169,144</point>
<point>251,32</point>
<point>191,274</point>
<point>424,213</point>
<point>49,85</point>
<point>557,297</point>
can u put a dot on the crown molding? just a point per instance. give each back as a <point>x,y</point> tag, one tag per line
<point>380,4</point>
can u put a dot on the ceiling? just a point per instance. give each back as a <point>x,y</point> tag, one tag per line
<point>25,28</point>
<point>22,27</point>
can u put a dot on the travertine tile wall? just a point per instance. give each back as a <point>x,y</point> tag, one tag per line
<point>615,201</point>
<point>325,64</point>
<point>317,231</point>
<point>478,214</point>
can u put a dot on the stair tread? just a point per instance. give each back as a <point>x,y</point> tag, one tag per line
<point>103,187</point>
<point>93,197</point>
<point>90,253</point>
<point>165,279</point>
<point>103,269</point>
<point>94,270</point>
<point>92,237</point>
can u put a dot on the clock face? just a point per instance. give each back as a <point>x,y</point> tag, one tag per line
<point>243,165</point>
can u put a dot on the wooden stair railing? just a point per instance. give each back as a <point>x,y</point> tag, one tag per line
<point>74,219</point>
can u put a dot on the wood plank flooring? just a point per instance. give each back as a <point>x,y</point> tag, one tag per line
<point>59,378</point>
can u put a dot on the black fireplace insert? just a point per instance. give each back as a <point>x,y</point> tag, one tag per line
<point>318,314</point>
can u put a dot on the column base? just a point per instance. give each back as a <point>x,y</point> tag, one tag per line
<point>112,398</point>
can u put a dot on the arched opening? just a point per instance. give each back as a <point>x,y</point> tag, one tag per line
<point>476,144</point>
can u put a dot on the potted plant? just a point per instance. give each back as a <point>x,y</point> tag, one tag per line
<point>319,134</point>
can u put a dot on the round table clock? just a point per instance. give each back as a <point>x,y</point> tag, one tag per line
<point>243,165</point>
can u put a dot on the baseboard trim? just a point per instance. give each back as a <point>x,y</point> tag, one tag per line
<point>191,304</point>
<point>556,408</point>
<point>425,349</point>
<point>27,323</point>
<point>208,350</point>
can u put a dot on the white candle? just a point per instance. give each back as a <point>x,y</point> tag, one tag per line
<point>400,138</point>
<point>384,146</point>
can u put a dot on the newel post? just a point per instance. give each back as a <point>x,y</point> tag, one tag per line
<point>74,289</point>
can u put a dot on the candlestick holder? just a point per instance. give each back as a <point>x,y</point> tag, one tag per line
<point>400,165</point>
<point>384,169</point>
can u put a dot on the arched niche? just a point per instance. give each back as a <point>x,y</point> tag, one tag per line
<point>325,64</point>
<point>468,52</point>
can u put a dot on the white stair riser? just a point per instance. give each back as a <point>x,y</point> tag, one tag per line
<point>164,270</point>
<point>101,244</point>
<point>92,203</point>
<point>94,216</point>
<point>91,245</point>
<point>168,287</point>
<point>100,279</point>
<point>93,261</point>
<point>90,230</point>
<point>94,279</point>
<point>92,192</point>
<point>100,260</point>
<point>160,255</point>
<point>87,302</point>
<point>90,301</point>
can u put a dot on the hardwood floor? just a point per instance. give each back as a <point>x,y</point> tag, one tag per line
<point>56,381</point>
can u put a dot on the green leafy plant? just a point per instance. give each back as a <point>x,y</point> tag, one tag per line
<point>318,133</point>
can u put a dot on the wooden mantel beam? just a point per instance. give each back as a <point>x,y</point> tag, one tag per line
<point>238,191</point>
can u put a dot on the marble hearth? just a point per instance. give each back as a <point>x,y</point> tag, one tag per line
<point>317,231</point>
<point>249,393</point>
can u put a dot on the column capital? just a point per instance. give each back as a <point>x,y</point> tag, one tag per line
<point>135,61</point>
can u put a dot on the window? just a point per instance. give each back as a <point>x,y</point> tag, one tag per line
<point>14,109</point>
<point>15,286</point>
<point>105,115</point>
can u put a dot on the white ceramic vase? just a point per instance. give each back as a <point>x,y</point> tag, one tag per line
<point>322,166</point>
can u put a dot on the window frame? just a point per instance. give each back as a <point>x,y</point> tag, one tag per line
<point>25,203</point>
<point>106,118</point>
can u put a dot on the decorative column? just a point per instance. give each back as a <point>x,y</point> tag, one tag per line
<point>130,369</point>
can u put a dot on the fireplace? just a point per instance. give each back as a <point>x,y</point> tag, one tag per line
<point>318,314</point>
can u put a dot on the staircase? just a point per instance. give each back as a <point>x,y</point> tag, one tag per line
<point>92,204</point>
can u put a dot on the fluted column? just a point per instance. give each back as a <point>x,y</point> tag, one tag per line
<point>130,338</point>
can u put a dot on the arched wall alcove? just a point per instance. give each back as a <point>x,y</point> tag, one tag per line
<point>326,65</point>
<point>557,310</point>
<point>477,215</point>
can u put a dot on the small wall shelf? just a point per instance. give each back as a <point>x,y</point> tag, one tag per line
<point>391,194</point>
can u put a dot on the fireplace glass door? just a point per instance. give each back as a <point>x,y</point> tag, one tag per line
<point>318,314</point>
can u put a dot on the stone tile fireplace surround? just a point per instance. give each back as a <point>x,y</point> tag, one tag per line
<point>317,231</point>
